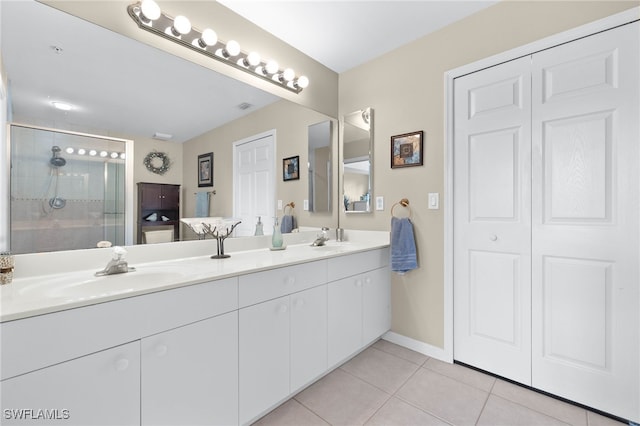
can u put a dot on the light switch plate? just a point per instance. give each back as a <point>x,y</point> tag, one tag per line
<point>380,203</point>
<point>434,201</point>
<point>279,204</point>
<point>305,205</point>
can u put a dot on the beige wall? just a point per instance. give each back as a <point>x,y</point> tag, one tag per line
<point>406,90</point>
<point>290,122</point>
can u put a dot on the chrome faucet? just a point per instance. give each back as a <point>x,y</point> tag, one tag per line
<point>321,238</point>
<point>117,265</point>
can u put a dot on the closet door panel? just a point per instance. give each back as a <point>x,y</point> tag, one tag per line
<point>492,226</point>
<point>585,245</point>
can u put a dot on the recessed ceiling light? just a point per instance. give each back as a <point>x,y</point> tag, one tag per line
<point>62,106</point>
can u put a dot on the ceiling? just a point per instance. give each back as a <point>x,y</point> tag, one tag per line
<point>131,88</point>
<point>344,34</point>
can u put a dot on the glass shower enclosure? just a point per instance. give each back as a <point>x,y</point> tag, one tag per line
<point>68,190</point>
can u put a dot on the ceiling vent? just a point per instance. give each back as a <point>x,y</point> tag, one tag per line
<point>244,106</point>
<point>162,136</point>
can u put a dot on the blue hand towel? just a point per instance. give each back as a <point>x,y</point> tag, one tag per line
<point>202,204</point>
<point>403,245</point>
<point>288,224</point>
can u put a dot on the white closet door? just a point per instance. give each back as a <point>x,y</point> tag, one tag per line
<point>254,184</point>
<point>585,221</point>
<point>492,220</point>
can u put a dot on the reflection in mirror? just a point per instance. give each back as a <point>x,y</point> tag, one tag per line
<point>67,190</point>
<point>357,139</point>
<point>55,59</point>
<point>319,145</point>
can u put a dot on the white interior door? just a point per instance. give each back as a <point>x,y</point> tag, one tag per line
<point>254,183</point>
<point>585,221</point>
<point>492,220</point>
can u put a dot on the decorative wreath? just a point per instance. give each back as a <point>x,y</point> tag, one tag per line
<point>157,162</point>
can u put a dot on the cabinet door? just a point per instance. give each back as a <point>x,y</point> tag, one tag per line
<point>264,356</point>
<point>190,374</point>
<point>308,335</point>
<point>376,304</point>
<point>345,318</point>
<point>98,389</point>
<point>150,196</point>
<point>170,197</point>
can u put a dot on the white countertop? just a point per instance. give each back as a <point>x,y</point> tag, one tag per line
<point>30,295</point>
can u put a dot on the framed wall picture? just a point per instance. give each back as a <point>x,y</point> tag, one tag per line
<point>406,149</point>
<point>291,168</point>
<point>205,169</point>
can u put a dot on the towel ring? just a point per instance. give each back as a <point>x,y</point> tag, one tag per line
<point>291,205</point>
<point>404,203</point>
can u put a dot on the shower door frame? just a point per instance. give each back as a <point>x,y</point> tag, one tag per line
<point>5,173</point>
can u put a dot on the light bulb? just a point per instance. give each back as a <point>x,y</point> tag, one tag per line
<point>123,156</point>
<point>93,152</point>
<point>69,150</point>
<point>181,25</point>
<point>150,10</point>
<point>208,38</point>
<point>82,151</point>
<point>302,82</point>
<point>103,154</point>
<point>272,67</point>
<point>288,74</point>
<point>253,59</point>
<point>114,155</point>
<point>232,49</point>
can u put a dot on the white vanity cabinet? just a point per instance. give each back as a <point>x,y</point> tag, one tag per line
<point>281,312</point>
<point>264,356</point>
<point>222,352</point>
<point>359,302</point>
<point>190,374</point>
<point>98,389</point>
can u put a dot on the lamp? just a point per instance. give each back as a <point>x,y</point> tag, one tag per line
<point>148,16</point>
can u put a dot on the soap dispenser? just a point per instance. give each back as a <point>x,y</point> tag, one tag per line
<point>259,230</point>
<point>276,238</point>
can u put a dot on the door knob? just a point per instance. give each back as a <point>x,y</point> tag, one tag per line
<point>493,237</point>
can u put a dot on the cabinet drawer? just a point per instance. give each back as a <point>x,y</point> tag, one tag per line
<point>37,342</point>
<point>347,266</point>
<point>266,285</point>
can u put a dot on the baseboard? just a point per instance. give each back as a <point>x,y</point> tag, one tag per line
<point>418,346</point>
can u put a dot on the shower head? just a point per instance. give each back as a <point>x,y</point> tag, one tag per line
<point>56,160</point>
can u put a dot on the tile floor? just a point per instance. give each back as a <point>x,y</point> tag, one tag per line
<point>389,385</point>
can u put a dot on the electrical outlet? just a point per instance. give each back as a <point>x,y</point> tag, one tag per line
<point>305,205</point>
<point>279,204</point>
<point>380,203</point>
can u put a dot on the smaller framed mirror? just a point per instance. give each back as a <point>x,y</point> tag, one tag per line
<point>319,157</point>
<point>357,139</point>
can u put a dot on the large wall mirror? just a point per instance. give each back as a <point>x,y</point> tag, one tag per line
<point>357,139</point>
<point>125,89</point>
<point>320,166</point>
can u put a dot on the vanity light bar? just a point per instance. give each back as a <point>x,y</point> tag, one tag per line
<point>148,16</point>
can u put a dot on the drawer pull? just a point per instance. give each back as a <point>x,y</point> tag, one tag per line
<point>161,350</point>
<point>299,303</point>
<point>367,280</point>
<point>282,309</point>
<point>122,364</point>
<point>290,280</point>
<point>358,283</point>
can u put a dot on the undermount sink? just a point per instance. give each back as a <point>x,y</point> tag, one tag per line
<point>84,285</point>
